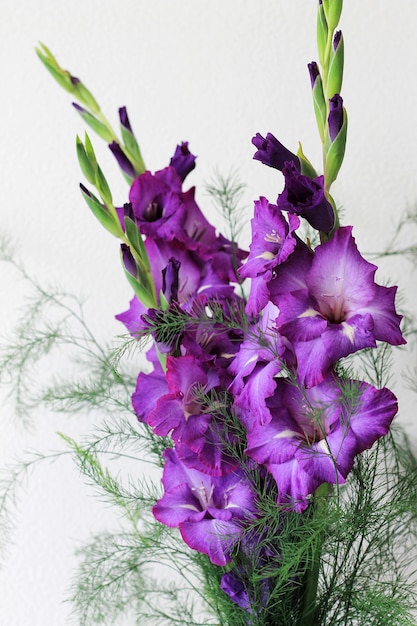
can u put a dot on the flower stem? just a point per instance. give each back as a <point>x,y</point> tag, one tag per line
<point>309,616</point>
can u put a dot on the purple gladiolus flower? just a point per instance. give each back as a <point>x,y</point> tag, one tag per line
<point>132,318</point>
<point>335,307</point>
<point>209,511</point>
<point>272,240</point>
<point>271,152</point>
<point>180,411</point>
<point>163,211</point>
<point>315,434</point>
<point>305,196</point>
<point>157,206</point>
<point>183,161</point>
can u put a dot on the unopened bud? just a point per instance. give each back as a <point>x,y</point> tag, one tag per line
<point>335,75</point>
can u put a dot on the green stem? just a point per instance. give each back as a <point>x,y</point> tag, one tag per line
<point>309,612</point>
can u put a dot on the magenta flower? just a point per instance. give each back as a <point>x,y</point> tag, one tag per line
<point>315,434</point>
<point>209,511</point>
<point>305,197</point>
<point>334,308</point>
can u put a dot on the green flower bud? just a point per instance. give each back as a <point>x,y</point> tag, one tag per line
<point>307,168</point>
<point>319,102</point>
<point>103,187</point>
<point>101,212</point>
<point>136,242</point>
<point>335,74</point>
<point>70,83</point>
<point>322,31</point>
<point>98,127</point>
<point>87,168</point>
<point>130,142</point>
<point>332,10</point>
<point>141,292</point>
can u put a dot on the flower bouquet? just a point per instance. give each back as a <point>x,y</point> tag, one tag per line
<point>287,496</point>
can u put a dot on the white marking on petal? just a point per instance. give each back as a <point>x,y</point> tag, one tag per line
<point>253,358</point>
<point>267,256</point>
<point>349,331</point>
<point>286,433</point>
<point>323,446</point>
<point>189,506</point>
<point>309,313</point>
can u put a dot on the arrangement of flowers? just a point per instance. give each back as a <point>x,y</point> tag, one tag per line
<point>281,472</point>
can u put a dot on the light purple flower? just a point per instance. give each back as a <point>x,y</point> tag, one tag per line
<point>305,197</point>
<point>315,434</point>
<point>180,410</point>
<point>272,240</point>
<point>334,308</point>
<point>209,511</point>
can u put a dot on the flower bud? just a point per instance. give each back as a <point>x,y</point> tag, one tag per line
<point>170,280</point>
<point>322,30</point>
<point>98,127</point>
<point>101,212</point>
<point>123,162</point>
<point>335,140</point>
<point>307,169</point>
<point>319,101</point>
<point>129,140</point>
<point>70,83</point>
<point>332,10</point>
<point>128,260</point>
<point>335,74</point>
<point>88,168</point>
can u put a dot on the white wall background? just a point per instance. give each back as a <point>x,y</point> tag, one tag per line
<point>213,72</point>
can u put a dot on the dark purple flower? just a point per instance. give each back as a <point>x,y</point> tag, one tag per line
<point>315,434</point>
<point>183,161</point>
<point>271,152</point>
<point>208,510</point>
<point>336,116</point>
<point>305,196</point>
<point>334,307</point>
<point>157,204</point>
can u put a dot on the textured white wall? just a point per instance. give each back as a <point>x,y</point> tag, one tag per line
<point>213,72</point>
